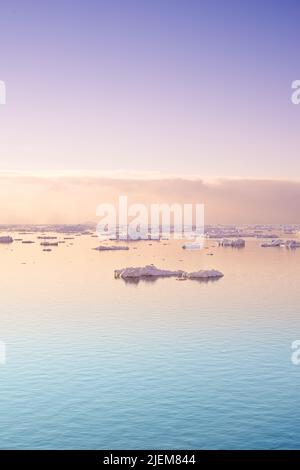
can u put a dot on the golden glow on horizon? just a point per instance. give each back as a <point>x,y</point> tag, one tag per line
<point>72,197</point>
<point>133,175</point>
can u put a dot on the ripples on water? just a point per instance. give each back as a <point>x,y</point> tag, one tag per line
<point>93,362</point>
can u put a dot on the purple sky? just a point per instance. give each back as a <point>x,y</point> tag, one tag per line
<point>178,87</point>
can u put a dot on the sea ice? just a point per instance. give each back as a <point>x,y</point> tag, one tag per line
<point>151,271</point>
<point>238,243</point>
<point>192,246</point>
<point>276,242</point>
<point>146,271</point>
<point>292,244</point>
<point>111,248</point>
<point>205,274</point>
<point>6,239</point>
<point>49,244</point>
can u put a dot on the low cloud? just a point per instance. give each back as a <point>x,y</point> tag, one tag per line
<point>74,198</point>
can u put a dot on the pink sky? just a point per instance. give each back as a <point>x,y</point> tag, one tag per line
<point>162,86</point>
<point>73,198</point>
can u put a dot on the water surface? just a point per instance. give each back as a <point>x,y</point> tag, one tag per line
<point>96,363</point>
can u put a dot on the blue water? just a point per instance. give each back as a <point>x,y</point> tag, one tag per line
<point>94,363</point>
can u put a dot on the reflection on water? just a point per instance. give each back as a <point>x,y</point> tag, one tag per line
<point>95,362</point>
<point>153,279</point>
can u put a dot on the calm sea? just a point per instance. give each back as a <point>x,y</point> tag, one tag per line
<point>96,363</point>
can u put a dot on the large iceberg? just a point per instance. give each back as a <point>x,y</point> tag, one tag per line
<point>151,271</point>
<point>146,271</point>
<point>6,239</point>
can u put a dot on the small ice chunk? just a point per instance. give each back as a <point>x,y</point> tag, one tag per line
<point>235,243</point>
<point>273,243</point>
<point>151,271</point>
<point>192,246</point>
<point>205,274</point>
<point>6,239</point>
<point>111,248</point>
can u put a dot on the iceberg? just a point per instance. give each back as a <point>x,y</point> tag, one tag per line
<point>6,239</point>
<point>266,235</point>
<point>46,237</point>
<point>238,243</point>
<point>49,244</point>
<point>151,271</point>
<point>292,244</point>
<point>146,271</point>
<point>192,246</point>
<point>276,242</point>
<point>111,248</point>
<point>205,274</point>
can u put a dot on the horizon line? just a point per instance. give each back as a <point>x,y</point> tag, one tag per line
<point>136,175</point>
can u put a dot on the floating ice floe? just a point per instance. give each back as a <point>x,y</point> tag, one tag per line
<point>151,271</point>
<point>111,248</point>
<point>266,235</point>
<point>46,237</point>
<point>6,239</point>
<point>49,244</point>
<point>192,246</point>
<point>146,271</point>
<point>292,244</point>
<point>284,243</point>
<point>238,243</point>
<point>273,243</point>
<point>205,274</point>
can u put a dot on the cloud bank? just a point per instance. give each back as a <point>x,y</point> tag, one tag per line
<point>74,198</point>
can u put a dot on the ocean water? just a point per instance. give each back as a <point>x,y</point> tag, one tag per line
<point>93,362</point>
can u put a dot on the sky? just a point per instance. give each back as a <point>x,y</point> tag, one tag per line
<point>174,87</point>
<point>66,199</point>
